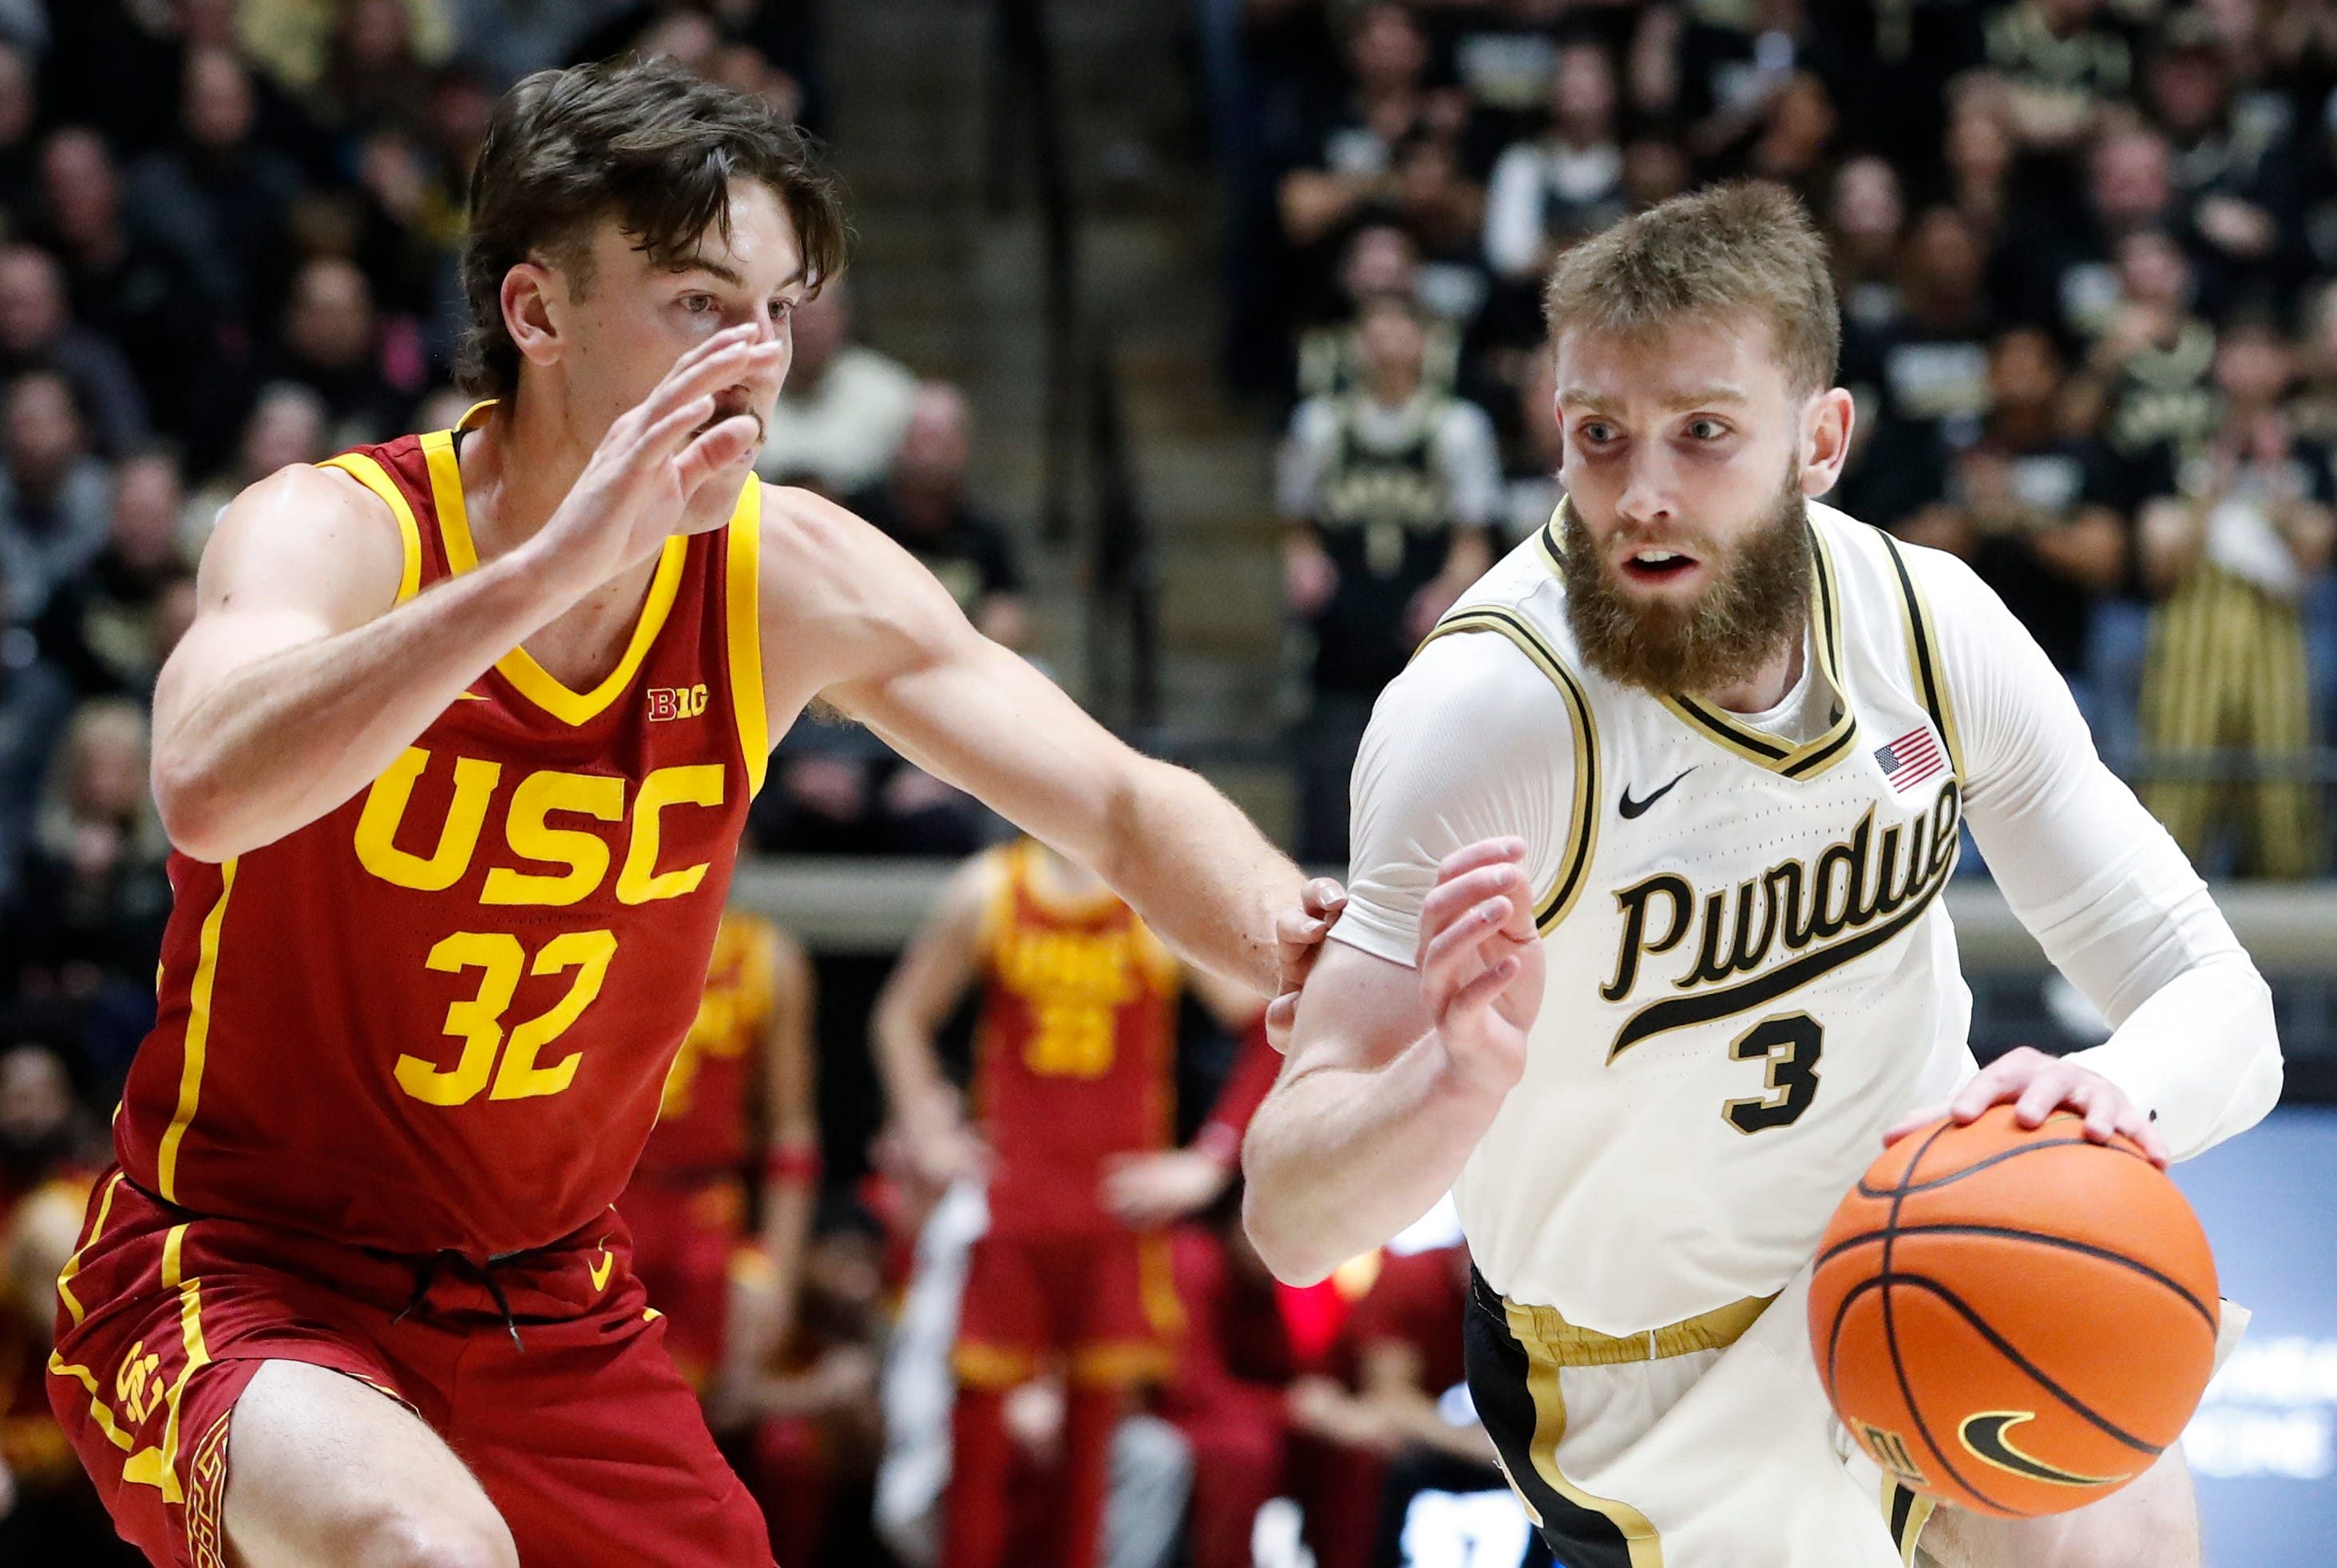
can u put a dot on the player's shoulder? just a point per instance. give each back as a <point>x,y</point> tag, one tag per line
<point>836,574</point>
<point>1897,584</point>
<point>316,532</point>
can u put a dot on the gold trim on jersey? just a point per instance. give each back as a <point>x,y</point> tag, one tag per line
<point>534,682</point>
<point>1582,827</point>
<point>198,1042</point>
<point>1795,759</point>
<point>1564,1344</point>
<point>1905,1513</point>
<point>1542,1367</point>
<point>1923,659</point>
<point>375,479</point>
<point>743,606</point>
<point>74,1307</point>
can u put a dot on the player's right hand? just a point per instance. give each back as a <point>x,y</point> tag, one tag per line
<point>636,489</point>
<point>1480,961</point>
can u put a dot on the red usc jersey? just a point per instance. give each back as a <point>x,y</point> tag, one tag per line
<point>1074,1048</point>
<point>440,1015</point>
<point>701,1126</point>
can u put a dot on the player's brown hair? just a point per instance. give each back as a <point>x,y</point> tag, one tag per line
<point>644,141</point>
<point>1744,247</point>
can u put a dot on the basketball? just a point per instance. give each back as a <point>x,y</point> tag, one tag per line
<point>2014,1320</point>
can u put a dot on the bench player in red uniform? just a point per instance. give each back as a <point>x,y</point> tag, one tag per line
<point>1074,1081</point>
<point>746,1060</point>
<point>454,761</point>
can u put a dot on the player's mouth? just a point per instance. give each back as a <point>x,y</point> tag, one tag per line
<point>1657,565</point>
<point>730,406</point>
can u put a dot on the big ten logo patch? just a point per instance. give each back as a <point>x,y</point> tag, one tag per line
<point>549,819</point>
<point>677,701</point>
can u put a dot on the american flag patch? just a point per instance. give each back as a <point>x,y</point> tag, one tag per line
<point>1912,759</point>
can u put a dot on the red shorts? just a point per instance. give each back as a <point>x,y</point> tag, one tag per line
<point>584,1436</point>
<point>1106,1303</point>
<point>683,1237</point>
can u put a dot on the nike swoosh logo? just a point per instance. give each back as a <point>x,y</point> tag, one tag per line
<point>1631,808</point>
<point>1984,1434</point>
<point>600,1271</point>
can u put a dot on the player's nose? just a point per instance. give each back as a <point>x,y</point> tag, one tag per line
<point>1649,496</point>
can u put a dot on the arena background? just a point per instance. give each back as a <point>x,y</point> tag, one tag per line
<point>1105,251</point>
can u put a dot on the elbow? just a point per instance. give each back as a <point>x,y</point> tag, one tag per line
<point>2265,1073</point>
<point>1284,1253</point>
<point>189,802</point>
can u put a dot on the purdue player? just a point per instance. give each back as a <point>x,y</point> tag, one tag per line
<point>1644,953</point>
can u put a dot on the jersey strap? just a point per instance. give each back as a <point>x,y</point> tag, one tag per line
<point>1923,655</point>
<point>1582,829</point>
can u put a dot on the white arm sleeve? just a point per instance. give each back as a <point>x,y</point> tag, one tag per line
<point>1298,471</point>
<point>1513,212</point>
<point>2099,883</point>
<point>1469,455</point>
<point>1472,741</point>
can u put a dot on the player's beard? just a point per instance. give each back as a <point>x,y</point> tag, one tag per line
<point>1758,600</point>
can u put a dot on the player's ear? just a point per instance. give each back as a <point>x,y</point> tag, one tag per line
<point>533,301</point>
<point>1827,422</point>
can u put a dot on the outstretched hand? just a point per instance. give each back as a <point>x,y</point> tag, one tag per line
<point>1480,961</point>
<point>2038,1085</point>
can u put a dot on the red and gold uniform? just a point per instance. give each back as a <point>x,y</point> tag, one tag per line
<point>687,1206</point>
<point>1074,1065</point>
<point>405,1058</point>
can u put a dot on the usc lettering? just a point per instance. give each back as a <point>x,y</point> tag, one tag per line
<point>1075,982</point>
<point>528,830</point>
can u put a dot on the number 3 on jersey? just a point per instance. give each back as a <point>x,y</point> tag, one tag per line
<point>1791,1042</point>
<point>478,1021</point>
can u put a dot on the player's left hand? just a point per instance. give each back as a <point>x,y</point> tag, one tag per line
<point>1149,1191</point>
<point>2038,1085</point>
<point>1298,936</point>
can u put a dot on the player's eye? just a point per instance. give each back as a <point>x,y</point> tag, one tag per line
<point>698,304</point>
<point>1701,429</point>
<point>1595,432</point>
<point>783,309</point>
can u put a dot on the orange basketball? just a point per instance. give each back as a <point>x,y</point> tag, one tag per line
<point>2014,1320</point>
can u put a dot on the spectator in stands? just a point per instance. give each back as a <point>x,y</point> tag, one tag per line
<point>923,504</point>
<point>2234,553</point>
<point>1350,157</point>
<point>844,408</point>
<point>54,498</point>
<point>2065,272</point>
<point>373,77</point>
<point>1866,224</point>
<point>1382,261</point>
<point>332,345</point>
<point>2229,170</point>
<point>288,424</point>
<point>139,296</point>
<point>20,117</point>
<point>218,199</point>
<point>2149,370</point>
<point>87,925</point>
<point>2032,508</point>
<point>1548,193</point>
<point>37,333</point>
<point>2061,65</point>
<point>35,700</point>
<point>109,626</point>
<point>1529,487</point>
<point>1979,153</point>
<point>1388,493</point>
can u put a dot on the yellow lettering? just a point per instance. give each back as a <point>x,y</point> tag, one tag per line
<point>641,881</point>
<point>384,809</point>
<point>586,855</point>
<point>586,952</point>
<point>477,1022</point>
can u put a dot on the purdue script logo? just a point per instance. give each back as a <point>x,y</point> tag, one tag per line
<point>1861,892</point>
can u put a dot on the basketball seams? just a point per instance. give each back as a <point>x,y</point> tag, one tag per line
<point>1997,1158</point>
<point>2038,1238</point>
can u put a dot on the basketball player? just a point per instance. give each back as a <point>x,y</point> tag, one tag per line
<point>1643,951</point>
<point>746,1060</point>
<point>455,759</point>
<point>1074,1076</point>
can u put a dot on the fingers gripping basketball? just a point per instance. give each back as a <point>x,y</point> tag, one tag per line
<point>2016,1321</point>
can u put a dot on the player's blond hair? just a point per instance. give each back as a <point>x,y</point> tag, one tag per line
<point>1747,246</point>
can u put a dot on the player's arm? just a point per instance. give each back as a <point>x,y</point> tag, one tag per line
<point>2193,1056</point>
<point>1412,1030</point>
<point>791,1117</point>
<point>934,974</point>
<point>301,678</point>
<point>885,643</point>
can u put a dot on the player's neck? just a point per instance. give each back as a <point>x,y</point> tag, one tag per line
<point>517,469</point>
<point>1765,687</point>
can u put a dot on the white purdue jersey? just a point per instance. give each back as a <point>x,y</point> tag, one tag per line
<point>1751,973</point>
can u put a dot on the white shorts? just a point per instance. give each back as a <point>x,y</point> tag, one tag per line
<point>1705,1444</point>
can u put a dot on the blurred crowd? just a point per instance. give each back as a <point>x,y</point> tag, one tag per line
<point>2081,248</point>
